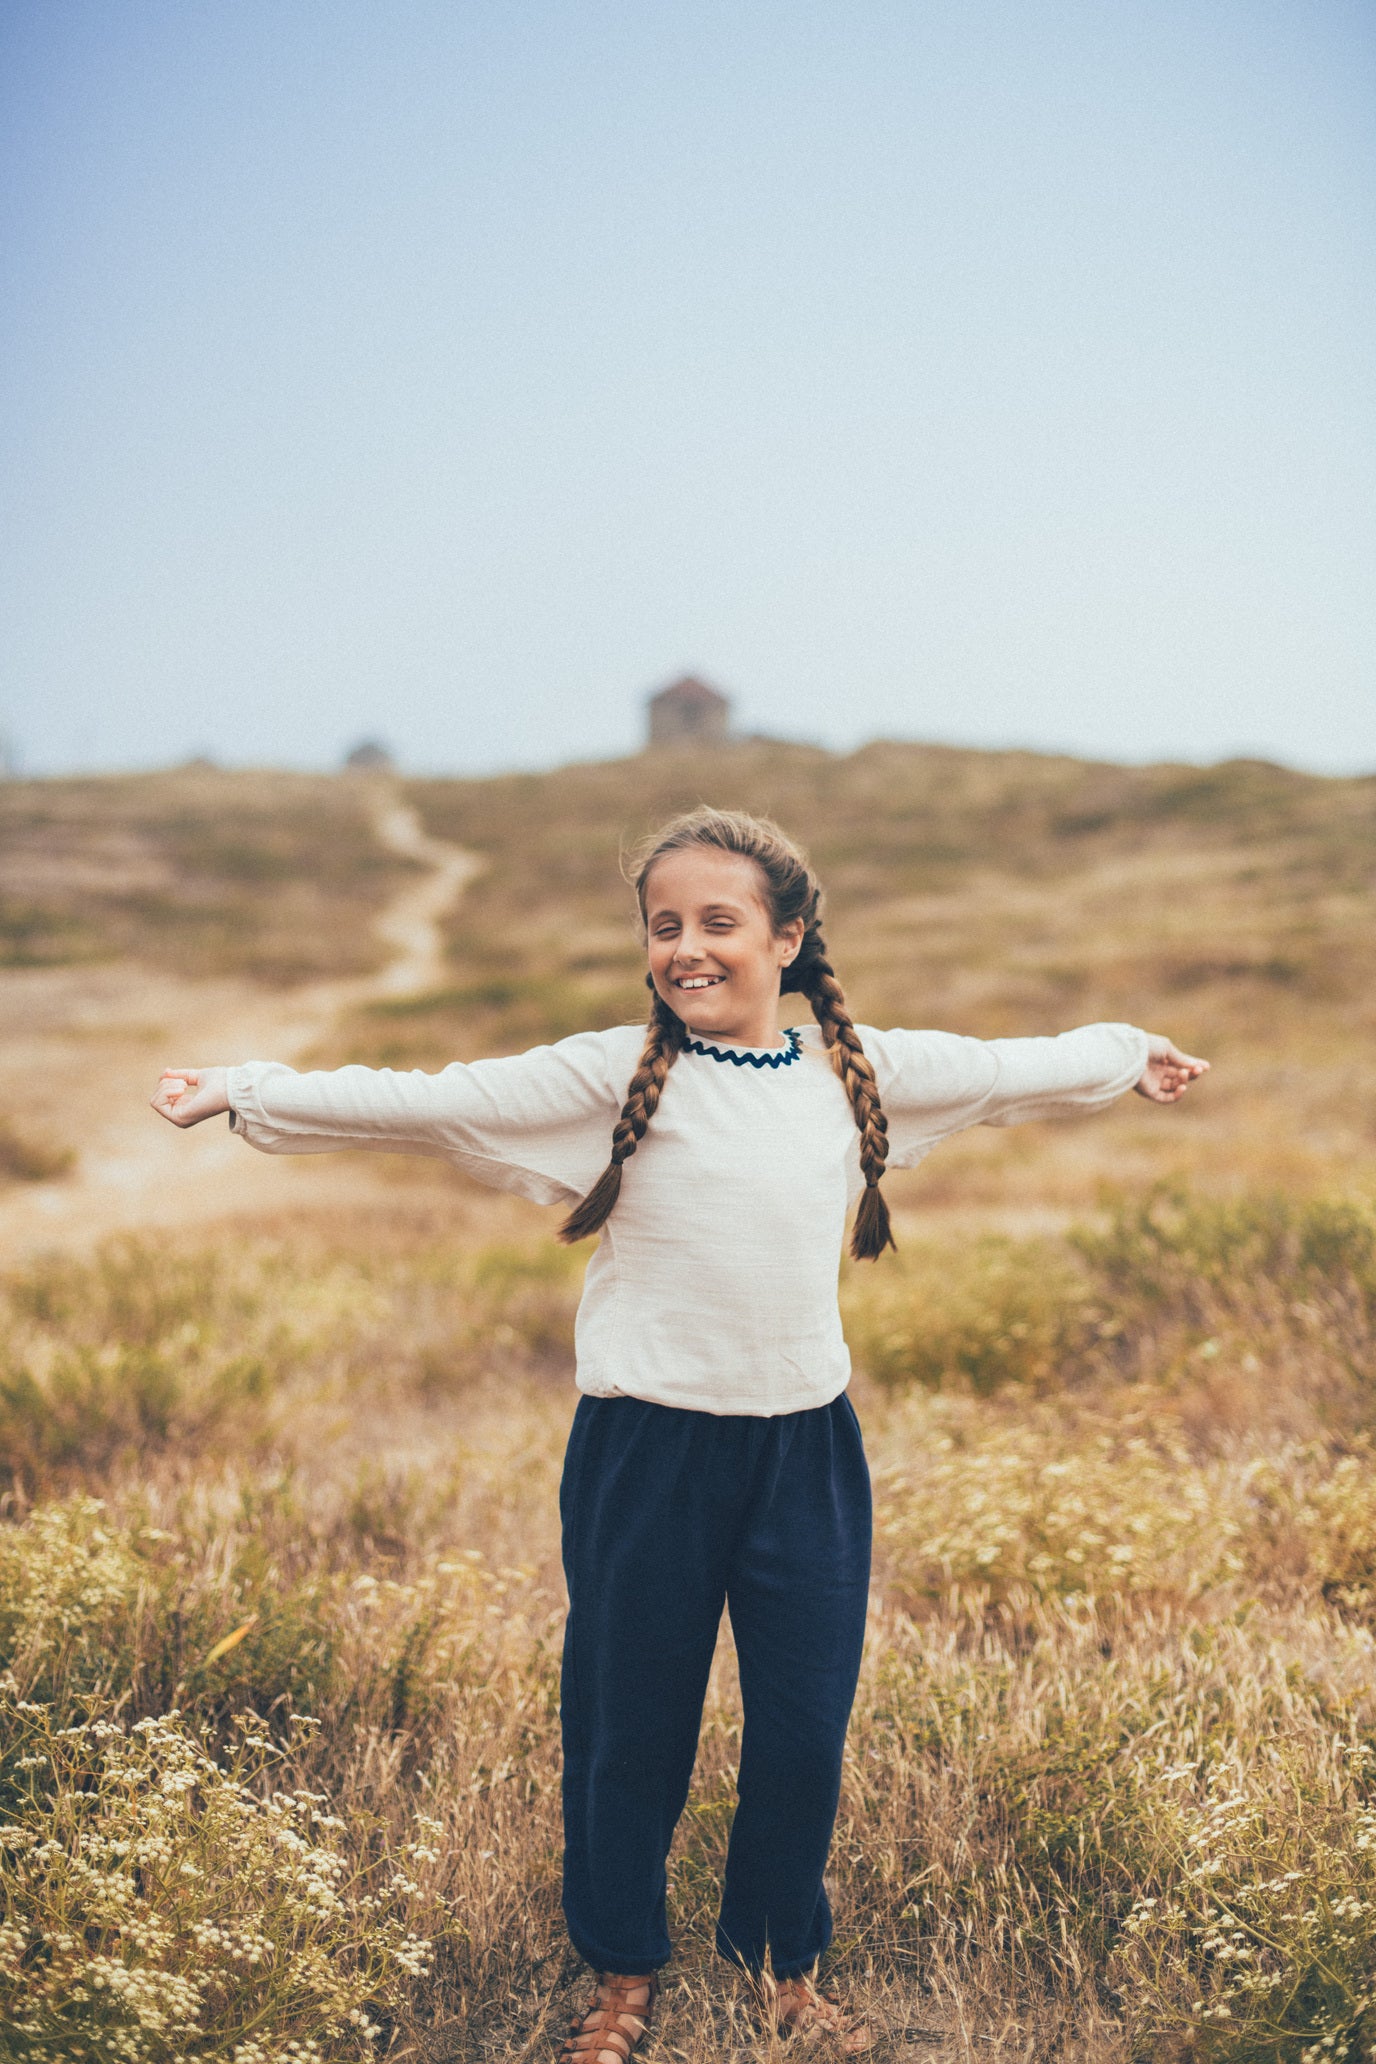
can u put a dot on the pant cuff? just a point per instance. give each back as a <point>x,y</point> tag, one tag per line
<point>752,1961</point>
<point>618,1966</point>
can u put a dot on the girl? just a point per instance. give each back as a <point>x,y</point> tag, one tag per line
<point>714,1457</point>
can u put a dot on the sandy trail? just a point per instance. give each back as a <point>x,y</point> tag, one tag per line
<point>410,925</point>
<point>80,1051</point>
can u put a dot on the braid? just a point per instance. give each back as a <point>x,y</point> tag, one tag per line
<point>813,974</point>
<point>664,1036</point>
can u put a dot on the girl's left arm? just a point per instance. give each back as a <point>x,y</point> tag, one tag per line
<point>932,1084</point>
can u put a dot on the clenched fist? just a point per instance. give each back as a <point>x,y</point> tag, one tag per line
<point>187,1095</point>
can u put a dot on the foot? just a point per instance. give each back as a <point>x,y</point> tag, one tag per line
<point>615,2023</point>
<point>795,2006</point>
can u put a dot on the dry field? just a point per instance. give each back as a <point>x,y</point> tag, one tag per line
<point>279,1589</point>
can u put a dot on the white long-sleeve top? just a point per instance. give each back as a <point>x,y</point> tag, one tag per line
<point>713,1285</point>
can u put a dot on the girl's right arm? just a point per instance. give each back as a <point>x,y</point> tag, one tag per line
<point>538,1122</point>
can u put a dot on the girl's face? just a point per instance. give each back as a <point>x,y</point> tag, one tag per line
<point>715,957</point>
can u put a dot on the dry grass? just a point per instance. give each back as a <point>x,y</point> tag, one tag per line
<point>1108,1789</point>
<point>273,876</point>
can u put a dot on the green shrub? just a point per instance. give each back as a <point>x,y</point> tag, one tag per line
<point>1034,1505</point>
<point>989,1312</point>
<point>26,1159</point>
<point>136,1351</point>
<point>1163,1283</point>
<point>1259,1932</point>
<point>1185,1822</point>
<point>146,1350</point>
<point>1171,1250</point>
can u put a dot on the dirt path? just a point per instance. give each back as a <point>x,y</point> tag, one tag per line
<point>80,1051</point>
<point>411,924</point>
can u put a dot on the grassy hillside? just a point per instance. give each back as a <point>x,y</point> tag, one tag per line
<point>273,876</point>
<point>990,891</point>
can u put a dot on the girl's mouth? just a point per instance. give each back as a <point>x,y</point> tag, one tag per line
<point>697,981</point>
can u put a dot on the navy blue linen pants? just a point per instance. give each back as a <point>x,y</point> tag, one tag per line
<point>668,1515</point>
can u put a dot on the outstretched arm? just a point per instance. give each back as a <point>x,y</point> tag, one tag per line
<point>187,1095</point>
<point>934,1084</point>
<point>537,1122</point>
<point>1168,1073</point>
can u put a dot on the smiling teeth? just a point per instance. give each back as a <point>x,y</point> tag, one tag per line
<point>698,981</point>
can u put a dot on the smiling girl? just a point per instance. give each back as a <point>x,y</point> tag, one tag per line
<point>715,1459</point>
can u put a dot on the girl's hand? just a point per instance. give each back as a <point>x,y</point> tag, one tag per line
<point>1168,1073</point>
<point>186,1095</point>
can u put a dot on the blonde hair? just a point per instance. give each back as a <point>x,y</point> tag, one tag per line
<point>791,891</point>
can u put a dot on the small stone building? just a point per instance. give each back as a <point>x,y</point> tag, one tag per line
<point>689,712</point>
<point>369,756</point>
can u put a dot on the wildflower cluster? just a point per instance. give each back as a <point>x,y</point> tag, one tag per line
<point>1326,1504</point>
<point>1264,1930</point>
<point>1094,1505</point>
<point>155,1901</point>
<point>63,1576</point>
<point>1019,1504</point>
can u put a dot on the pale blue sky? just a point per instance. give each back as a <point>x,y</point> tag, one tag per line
<point>1000,373</point>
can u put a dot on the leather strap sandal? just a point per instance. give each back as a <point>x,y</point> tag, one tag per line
<point>797,2007</point>
<point>616,2022</point>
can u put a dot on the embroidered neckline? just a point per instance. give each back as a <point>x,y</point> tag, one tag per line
<point>782,1058</point>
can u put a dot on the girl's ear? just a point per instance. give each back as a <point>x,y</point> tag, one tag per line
<point>791,940</point>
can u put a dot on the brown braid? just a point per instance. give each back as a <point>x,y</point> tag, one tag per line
<point>664,1037</point>
<point>791,891</point>
<point>816,979</point>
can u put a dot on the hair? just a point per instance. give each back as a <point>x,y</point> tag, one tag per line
<point>791,891</point>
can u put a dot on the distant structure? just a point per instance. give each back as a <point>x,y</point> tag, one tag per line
<point>689,712</point>
<point>369,756</point>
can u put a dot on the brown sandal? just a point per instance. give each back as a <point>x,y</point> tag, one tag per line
<point>797,2007</point>
<point>616,2023</point>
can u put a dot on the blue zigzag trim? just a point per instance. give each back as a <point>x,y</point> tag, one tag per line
<point>783,1059</point>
